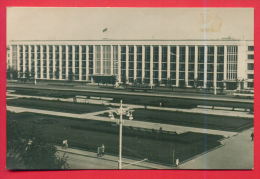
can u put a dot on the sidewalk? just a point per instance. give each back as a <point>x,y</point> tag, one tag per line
<point>236,153</point>
<point>81,159</point>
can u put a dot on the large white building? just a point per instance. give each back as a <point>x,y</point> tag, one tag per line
<point>224,63</point>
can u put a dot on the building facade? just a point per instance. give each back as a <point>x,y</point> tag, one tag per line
<point>225,63</point>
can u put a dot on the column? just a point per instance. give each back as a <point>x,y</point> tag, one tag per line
<point>29,59</point>
<point>225,63</point>
<point>47,62</point>
<point>87,62</point>
<point>215,69</point>
<point>127,64</point>
<point>18,60</point>
<point>160,64</point>
<point>119,63</point>
<point>143,62</point>
<point>41,61</point>
<point>11,57</point>
<point>186,65</point>
<point>151,65</point>
<point>111,60</point>
<point>53,62</point>
<point>196,63</point>
<point>94,59</point>
<point>80,62</point>
<point>101,60</point>
<point>168,62</point>
<point>24,67</point>
<point>177,64</point>
<point>67,62</point>
<point>73,60</point>
<point>60,60</point>
<point>135,62</point>
<point>35,61</point>
<point>205,66</point>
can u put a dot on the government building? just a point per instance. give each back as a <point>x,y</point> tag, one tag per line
<point>222,63</point>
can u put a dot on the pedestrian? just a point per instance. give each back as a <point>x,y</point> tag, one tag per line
<point>102,150</point>
<point>177,162</point>
<point>98,152</point>
<point>252,136</point>
<point>65,144</point>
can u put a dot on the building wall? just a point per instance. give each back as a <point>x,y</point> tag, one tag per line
<point>176,62</point>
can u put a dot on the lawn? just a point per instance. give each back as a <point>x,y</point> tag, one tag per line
<point>137,143</point>
<point>192,119</point>
<point>60,106</point>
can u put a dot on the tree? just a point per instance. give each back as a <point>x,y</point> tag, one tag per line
<point>113,80</point>
<point>195,83</point>
<point>71,76</point>
<point>28,149</point>
<point>57,73</point>
<point>169,82</point>
<point>12,73</point>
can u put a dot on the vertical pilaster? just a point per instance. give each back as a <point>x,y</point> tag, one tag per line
<point>67,62</point>
<point>127,64</point>
<point>119,63</point>
<point>168,62</point>
<point>60,61</point>
<point>111,60</point>
<point>101,60</point>
<point>143,62</point>
<point>205,66</point>
<point>177,64</point>
<point>29,59</point>
<point>53,62</point>
<point>10,64</point>
<point>215,68</point>
<point>196,63</point>
<point>160,64</point>
<point>87,63</point>
<point>135,62</point>
<point>94,59</point>
<point>186,65</point>
<point>225,63</point>
<point>80,62</point>
<point>151,65</point>
<point>47,62</point>
<point>35,62</point>
<point>41,61</point>
<point>18,59</point>
<point>73,59</point>
<point>24,67</point>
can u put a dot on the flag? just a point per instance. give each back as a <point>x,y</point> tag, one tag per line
<point>104,30</point>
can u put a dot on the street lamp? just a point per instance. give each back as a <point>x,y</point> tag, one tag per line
<point>121,111</point>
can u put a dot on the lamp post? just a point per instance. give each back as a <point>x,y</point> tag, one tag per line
<point>121,112</point>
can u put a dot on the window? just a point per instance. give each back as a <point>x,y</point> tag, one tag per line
<point>250,84</point>
<point>250,76</point>
<point>250,48</point>
<point>250,66</point>
<point>250,56</point>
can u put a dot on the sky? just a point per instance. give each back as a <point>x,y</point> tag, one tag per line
<point>38,23</point>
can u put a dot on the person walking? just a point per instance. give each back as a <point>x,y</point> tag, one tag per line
<point>252,136</point>
<point>102,150</point>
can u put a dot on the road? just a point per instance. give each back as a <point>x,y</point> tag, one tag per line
<point>197,99</point>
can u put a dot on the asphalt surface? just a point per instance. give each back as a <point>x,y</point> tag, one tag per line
<point>96,89</point>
